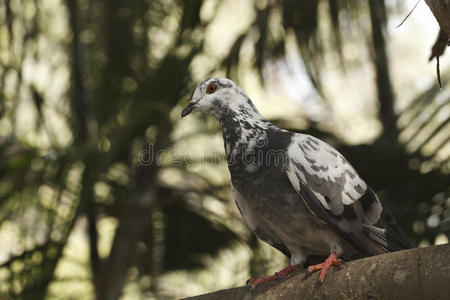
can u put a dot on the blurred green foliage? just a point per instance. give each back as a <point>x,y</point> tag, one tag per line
<point>87,85</point>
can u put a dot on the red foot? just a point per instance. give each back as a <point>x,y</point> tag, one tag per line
<point>332,260</point>
<point>254,282</point>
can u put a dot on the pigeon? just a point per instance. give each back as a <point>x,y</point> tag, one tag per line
<point>295,192</point>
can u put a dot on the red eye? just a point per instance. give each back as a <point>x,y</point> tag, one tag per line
<point>211,88</point>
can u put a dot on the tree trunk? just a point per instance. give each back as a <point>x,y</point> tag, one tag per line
<point>380,60</point>
<point>421,273</point>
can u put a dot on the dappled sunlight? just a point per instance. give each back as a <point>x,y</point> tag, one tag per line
<point>105,189</point>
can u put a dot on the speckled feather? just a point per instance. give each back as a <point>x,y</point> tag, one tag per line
<point>294,191</point>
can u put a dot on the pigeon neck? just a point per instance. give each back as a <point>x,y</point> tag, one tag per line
<point>241,129</point>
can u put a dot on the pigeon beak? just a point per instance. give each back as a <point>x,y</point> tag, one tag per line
<point>188,109</point>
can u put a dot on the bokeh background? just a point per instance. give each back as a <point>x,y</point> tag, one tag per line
<point>105,191</point>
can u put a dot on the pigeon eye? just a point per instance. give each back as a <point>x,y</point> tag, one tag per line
<point>211,88</point>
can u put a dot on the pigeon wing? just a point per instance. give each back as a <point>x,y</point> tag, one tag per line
<point>334,192</point>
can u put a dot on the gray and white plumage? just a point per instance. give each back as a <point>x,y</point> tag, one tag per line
<point>294,191</point>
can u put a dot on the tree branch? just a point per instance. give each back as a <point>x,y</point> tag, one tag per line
<point>441,11</point>
<point>421,273</point>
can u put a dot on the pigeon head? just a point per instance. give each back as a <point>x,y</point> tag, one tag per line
<point>219,96</point>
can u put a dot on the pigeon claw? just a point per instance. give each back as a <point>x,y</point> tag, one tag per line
<point>255,282</point>
<point>285,272</point>
<point>332,260</point>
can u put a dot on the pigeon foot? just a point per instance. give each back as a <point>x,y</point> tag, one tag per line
<point>332,260</point>
<point>255,282</point>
